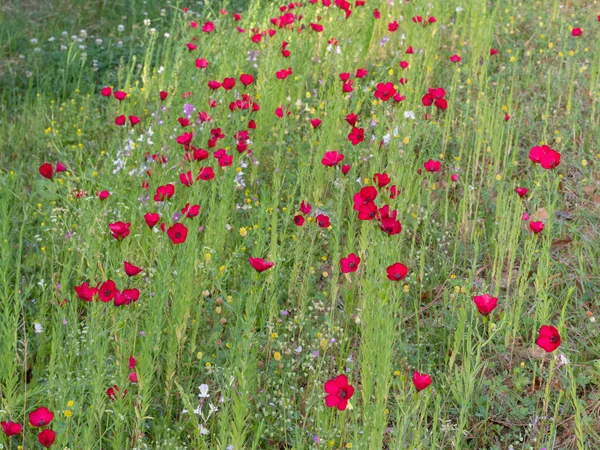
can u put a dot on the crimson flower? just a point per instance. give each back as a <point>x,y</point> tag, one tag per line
<point>366,195</point>
<point>103,195</point>
<point>576,32</point>
<point>85,292</point>
<point>338,392</point>
<point>119,230</point>
<point>151,219</point>
<point>106,91</point>
<point>345,168</point>
<point>206,173</point>
<point>536,227</point>
<point>177,233</point>
<point>521,191</point>
<point>46,438</point>
<point>120,95</point>
<point>260,265</point>
<point>432,166</point>
<point>548,338</point>
<point>11,428</point>
<point>246,79</point>
<point>396,272</point>
<point>111,392</point>
<point>485,304</point>
<point>131,270</point>
<point>305,207</point>
<point>545,156</point>
<point>315,122</point>
<point>47,171</point>
<point>385,91</point>
<point>455,58</point>
<point>350,263</point>
<point>323,221</point>
<point>107,291</point>
<point>356,136</point>
<point>163,95</point>
<point>351,119</point>
<point>40,417</point>
<point>299,220</point>
<point>190,211</point>
<point>421,380</point>
<point>331,159</point>
<point>126,297</point>
<point>382,179</point>
<point>164,192</point>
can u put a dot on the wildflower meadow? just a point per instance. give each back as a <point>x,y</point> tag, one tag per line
<point>324,224</point>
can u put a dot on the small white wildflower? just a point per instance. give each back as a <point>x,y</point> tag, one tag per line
<point>38,328</point>
<point>203,391</point>
<point>409,115</point>
<point>147,22</point>
<point>121,28</point>
<point>33,41</point>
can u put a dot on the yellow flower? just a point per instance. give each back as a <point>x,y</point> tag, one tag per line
<point>277,356</point>
<point>70,403</point>
<point>274,335</point>
<point>68,413</point>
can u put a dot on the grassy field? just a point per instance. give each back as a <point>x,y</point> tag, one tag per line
<point>256,225</point>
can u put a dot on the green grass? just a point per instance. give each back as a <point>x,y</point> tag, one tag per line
<point>265,343</point>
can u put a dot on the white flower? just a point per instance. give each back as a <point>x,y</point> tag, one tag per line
<point>33,41</point>
<point>147,22</point>
<point>409,115</point>
<point>203,391</point>
<point>38,327</point>
<point>203,430</point>
<point>121,28</point>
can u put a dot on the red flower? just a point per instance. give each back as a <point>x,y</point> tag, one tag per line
<point>106,91</point>
<point>390,225</point>
<point>351,119</point>
<point>201,63</point>
<point>521,191</point>
<point>228,83</point>
<point>208,27</point>
<point>455,58</point>
<point>164,192</point>
<point>536,227</point>
<point>47,171</point>
<point>40,417</point>
<point>85,293</point>
<point>103,195</point>
<point>403,64</point>
<point>323,221</point>
<point>421,380</point>
<point>544,155</point>
<point>246,79</point>
<point>493,51</point>
<point>392,26</point>
<point>190,211</point>
<point>315,122</point>
<point>126,297</point>
<point>361,73</point>
<point>107,291</point>
<point>548,338</point>
<point>305,208</point>
<point>133,120</point>
<point>260,265</point>
<point>366,195</point>
<point>46,438</point>
<point>576,32</point>
<point>299,220</point>
<point>177,233</point>
<point>345,168</point>
<point>485,304</point>
<point>119,230</point>
<point>356,136</point>
<point>367,211</point>
<point>350,263</point>
<point>331,159</point>
<point>385,91</point>
<point>163,95</point>
<point>206,173</point>
<point>111,392</point>
<point>396,272</point>
<point>382,179</point>
<point>120,95</point>
<point>317,27</point>
<point>151,219</point>
<point>11,428</point>
<point>131,270</point>
<point>338,392</point>
<point>133,377</point>
<point>432,166</point>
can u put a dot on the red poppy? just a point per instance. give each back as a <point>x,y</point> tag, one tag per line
<point>521,191</point>
<point>246,79</point>
<point>403,64</point>
<point>11,428</point>
<point>366,195</point>
<point>536,227</point>
<point>356,136</point>
<point>485,304</point>
<point>164,192</point>
<point>323,221</point>
<point>390,225</point>
<point>305,207</point>
<point>548,338</point>
<point>107,291</point>
<point>106,91</point>
<point>119,230</point>
<point>315,122</point>
<point>40,417</point>
<point>455,58</point>
<point>103,195</point>
<point>228,83</point>
<point>382,179</point>
<point>163,95</point>
<point>345,168</point>
<point>351,119</point>
<point>421,380</point>
<point>46,438</point>
<point>206,173</point>
<point>131,270</point>
<point>120,95</point>
<point>338,392</point>
<point>201,63</point>
<point>350,263</point>
<point>393,26</point>
<point>85,292</point>
<point>208,27</point>
<point>126,297</point>
<point>133,120</point>
<point>111,392</point>
<point>190,211</point>
<point>432,166</point>
<point>385,91</point>
<point>120,120</point>
<point>299,220</point>
<point>331,159</point>
<point>177,233</point>
<point>316,27</point>
<point>151,219</point>
<point>396,272</point>
<point>47,171</point>
<point>493,51</point>
<point>133,377</point>
<point>576,32</point>
<point>545,156</point>
<point>260,265</point>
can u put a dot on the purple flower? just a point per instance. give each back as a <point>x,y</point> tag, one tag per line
<point>284,313</point>
<point>188,109</point>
